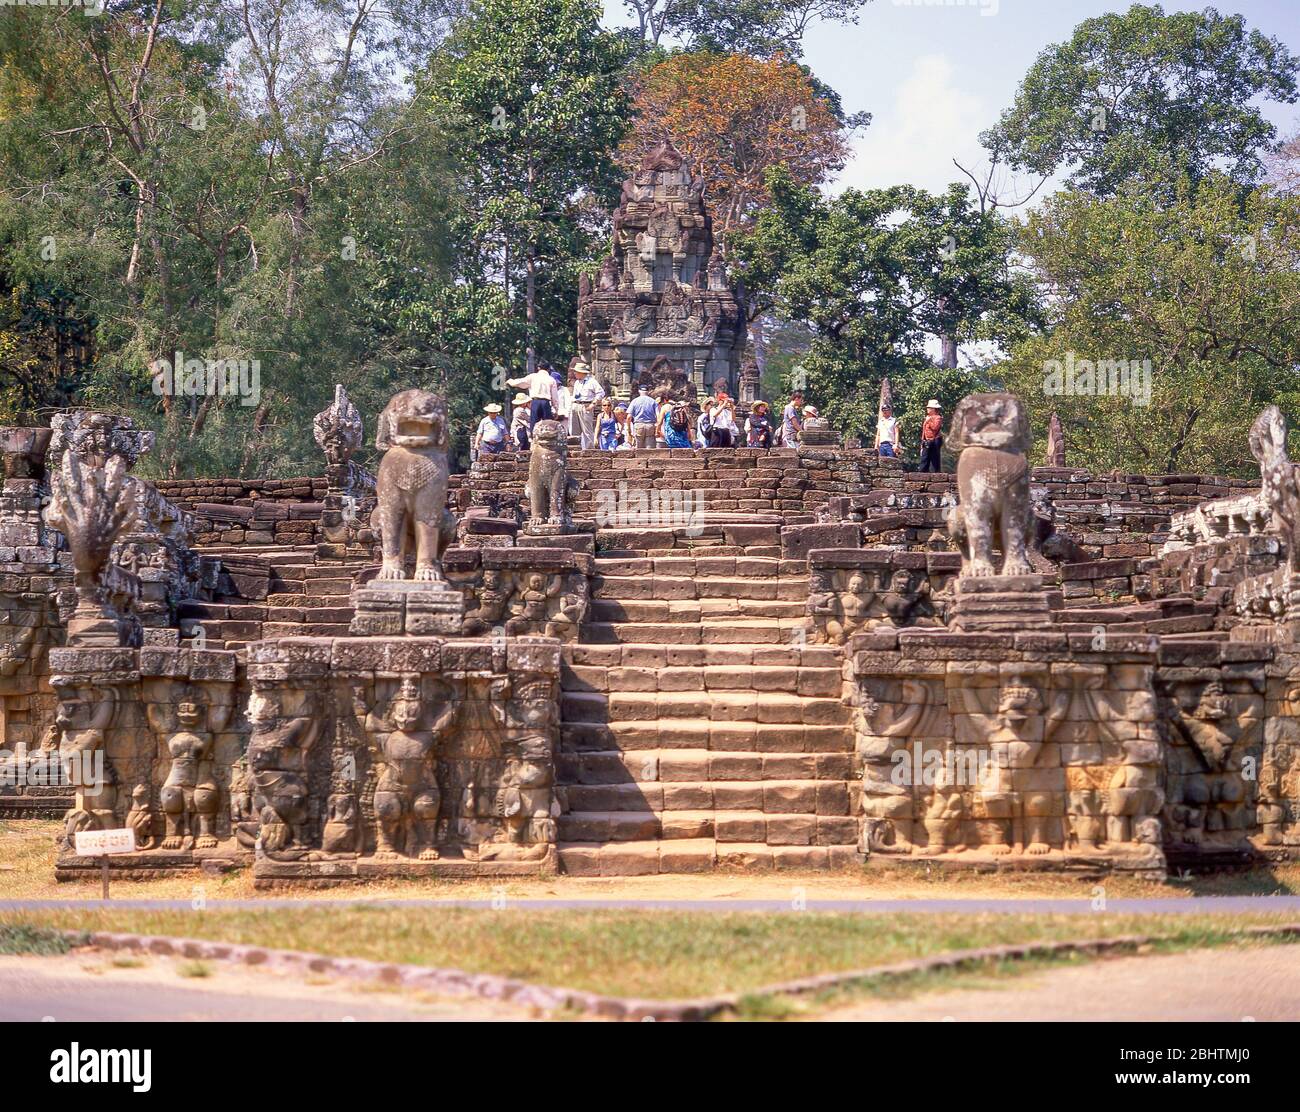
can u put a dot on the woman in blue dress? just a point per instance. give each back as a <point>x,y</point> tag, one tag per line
<point>607,427</point>
<point>677,427</point>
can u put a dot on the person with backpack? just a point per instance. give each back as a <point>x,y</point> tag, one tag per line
<point>677,427</point>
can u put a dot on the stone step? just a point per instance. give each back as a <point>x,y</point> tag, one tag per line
<point>667,587</point>
<point>706,734</point>
<point>641,655</point>
<point>696,766</point>
<point>769,828</point>
<point>691,610</point>
<point>697,855</point>
<point>743,567</point>
<point>304,629</point>
<point>304,599</point>
<point>716,706</point>
<point>793,680</point>
<point>736,631</point>
<point>819,797</point>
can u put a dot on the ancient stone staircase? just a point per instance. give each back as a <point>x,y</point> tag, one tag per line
<point>698,729</point>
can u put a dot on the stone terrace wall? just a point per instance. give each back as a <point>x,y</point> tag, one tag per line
<point>741,480</point>
<point>1108,516</point>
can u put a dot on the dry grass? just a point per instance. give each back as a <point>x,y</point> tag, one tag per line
<point>662,954</point>
<point>27,858</point>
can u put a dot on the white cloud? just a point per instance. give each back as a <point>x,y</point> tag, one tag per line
<point>914,138</point>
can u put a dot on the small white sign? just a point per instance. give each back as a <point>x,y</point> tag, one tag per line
<point>100,843</point>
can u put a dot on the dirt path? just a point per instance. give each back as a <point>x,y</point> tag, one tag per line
<point>91,987</point>
<point>1220,985</point>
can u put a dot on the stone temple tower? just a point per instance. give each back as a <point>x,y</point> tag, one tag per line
<point>661,310</point>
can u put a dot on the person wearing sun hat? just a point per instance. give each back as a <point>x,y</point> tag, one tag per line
<point>758,426</point>
<point>932,436</point>
<point>521,422</point>
<point>491,435</point>
<point>587,396</point>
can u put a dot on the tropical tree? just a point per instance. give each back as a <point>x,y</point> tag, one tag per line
<point>1150,94</point>
<point>530,98</point>
<point>1169,325</point>
<point>876,276</point>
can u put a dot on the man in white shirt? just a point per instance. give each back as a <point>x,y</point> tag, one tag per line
<point>722,423</point>
<point>887,433</point>
<point>490,436</point>
<point>543,396</point>
<point>587,396</point>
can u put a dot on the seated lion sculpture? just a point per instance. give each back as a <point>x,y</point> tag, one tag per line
<point>411,487</point>
<point>991,432</point>
<point>548,475</point>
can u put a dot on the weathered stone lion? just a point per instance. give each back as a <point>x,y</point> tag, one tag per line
<point>991,432</point>
<point>548,476</point>
<point>411,487</point>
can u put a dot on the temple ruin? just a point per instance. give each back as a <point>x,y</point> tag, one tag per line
<point>804,658</point>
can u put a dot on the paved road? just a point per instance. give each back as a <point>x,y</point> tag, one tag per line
<point>67,989</point>
<point>1198,905</point>
<point>1216,985</point>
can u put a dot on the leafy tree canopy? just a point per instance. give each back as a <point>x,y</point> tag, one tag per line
<point>1145,94</point>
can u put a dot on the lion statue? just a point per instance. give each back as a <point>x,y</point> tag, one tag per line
<point>411,487</point>
<point>991,431</point>
<point>548,475</point>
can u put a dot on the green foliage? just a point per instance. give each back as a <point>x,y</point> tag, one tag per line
<point>873,276</point>
<point>1207,288</point>
<point>1142,93</point>
<point>530,100</point>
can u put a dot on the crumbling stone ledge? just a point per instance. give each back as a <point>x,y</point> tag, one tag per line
<point>457,983</point>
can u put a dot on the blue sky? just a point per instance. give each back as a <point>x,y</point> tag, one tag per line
<point>933,77</point>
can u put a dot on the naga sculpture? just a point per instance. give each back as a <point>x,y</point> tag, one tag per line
<point>1280,483</point>
<point>991,433</point>
<point>91,506</point>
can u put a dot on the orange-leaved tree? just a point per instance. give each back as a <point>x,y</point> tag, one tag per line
<point>734,116</point>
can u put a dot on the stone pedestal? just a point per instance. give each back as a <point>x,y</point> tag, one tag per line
<point>393,607</point>
<point>1002,603</point>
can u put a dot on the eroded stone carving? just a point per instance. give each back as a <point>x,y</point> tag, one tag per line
<point>1280,485</point>
<point>412,515</point>
<point>91,506</point>
<point>550,490</point>
<point>991,433</point>
<point>406,735</point>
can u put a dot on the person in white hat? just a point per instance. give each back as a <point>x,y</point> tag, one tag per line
<point>587,396</point>
<point>490,436</point>
<point>932,436</point>
<point>521,422</point>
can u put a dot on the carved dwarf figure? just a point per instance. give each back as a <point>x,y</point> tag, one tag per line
<point>407,798</point>
<point>84,717</point>
<point>277,759</point>
<point>991,433</point>
<point>411,487</point>
<point>189,795</point>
